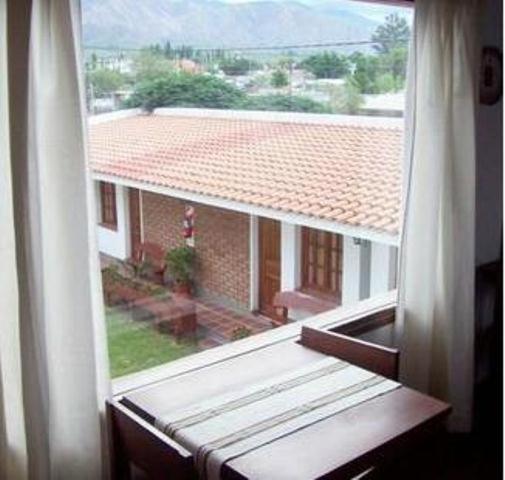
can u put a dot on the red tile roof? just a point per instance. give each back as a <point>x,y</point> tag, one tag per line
<point>345,173</point>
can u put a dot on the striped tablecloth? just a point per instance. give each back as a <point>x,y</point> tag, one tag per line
<point>230,425</point>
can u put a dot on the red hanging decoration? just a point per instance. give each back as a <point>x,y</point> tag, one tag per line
<point>188,223</point>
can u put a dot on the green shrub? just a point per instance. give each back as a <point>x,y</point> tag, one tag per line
<point>385,83</point>
<point>283,103</point>
<point>346,98</point>
<point>184,90</point>
<point>327,65</point>
<point>238,66</point>
<point>181,264</point>
<point>279,79</point>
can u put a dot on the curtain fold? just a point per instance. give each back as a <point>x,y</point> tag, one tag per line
<point>54,372</point>
<point>12,424</point>
<point>438,247</point>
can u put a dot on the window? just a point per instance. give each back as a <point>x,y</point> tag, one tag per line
<point>108,205</point>
<point>286,143</point>
<point>322,263</point>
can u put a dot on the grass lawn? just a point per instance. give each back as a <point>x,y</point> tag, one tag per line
<point>135,345</point>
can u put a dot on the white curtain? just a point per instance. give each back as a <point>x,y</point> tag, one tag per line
<point>53,366</point>
<point>437,269</point>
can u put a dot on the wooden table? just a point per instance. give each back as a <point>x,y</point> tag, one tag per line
<point>338,447</point>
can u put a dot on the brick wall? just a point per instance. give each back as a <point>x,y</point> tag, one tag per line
<point>221,243</point>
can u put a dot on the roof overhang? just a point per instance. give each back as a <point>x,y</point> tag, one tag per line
<point>294,218</point>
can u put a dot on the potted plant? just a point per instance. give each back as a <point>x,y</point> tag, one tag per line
<point>181,266</point>
<point>240,332</point>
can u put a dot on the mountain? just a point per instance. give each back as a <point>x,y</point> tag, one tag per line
<point>376,12</point>
<point>214,23</point>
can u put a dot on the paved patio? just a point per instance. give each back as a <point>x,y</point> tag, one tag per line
<point>217,324</point>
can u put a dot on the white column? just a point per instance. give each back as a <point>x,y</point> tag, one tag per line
<point>253,263</point>
<point>356,270</point>
<point>141,209</point>
<point>290,256</point>
<point>383,268</point>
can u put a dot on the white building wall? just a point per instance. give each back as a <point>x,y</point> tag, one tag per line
<point>383,268</point>
<point>290,256</point>
<point>356,270</point>
<point>291,263</point>
<point>115,243</point>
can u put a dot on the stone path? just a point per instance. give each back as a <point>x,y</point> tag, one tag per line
<point>220,324</point>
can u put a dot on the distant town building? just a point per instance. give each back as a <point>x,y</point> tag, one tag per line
<point>118,62</point>
<point>188,66</point>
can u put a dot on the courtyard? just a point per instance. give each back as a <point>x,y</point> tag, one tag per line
<point>148,324</point>
<point>135,346</point>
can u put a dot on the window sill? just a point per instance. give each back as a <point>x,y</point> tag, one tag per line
<point>354,319</point>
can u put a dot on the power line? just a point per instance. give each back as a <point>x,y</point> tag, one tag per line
<point>122,49</point>
<point>251,48</point>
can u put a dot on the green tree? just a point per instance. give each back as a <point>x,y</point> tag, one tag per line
<point>346,98</point>
<point>105,81</point>
<point>285,62</point>
<point>394,33</point>
<point>238,65</point>
<point>380,73</point>
<point>395,62</point>
<point>150,64</point>
<point>279,79</point>
<point>283,103</point>
<point>168,51</point>
<point>366,70</point>
<point>327,65</point>
<point>385,83</point>
<point>94,60</point>
<point>155,49</point>
<point>183,51</point>
<point>181,89</point>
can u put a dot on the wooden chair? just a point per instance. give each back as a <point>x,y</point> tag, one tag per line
<point>376,358</point>
<point>177,317</point>
<point>152,254</point>
<point>296,300</point>
<point>133,440</point>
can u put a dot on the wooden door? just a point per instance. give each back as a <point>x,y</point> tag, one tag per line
<point>322,263</point>
<point>269,264</point>
<point>135,227</point>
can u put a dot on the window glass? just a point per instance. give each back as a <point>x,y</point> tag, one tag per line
<point>251,157</point>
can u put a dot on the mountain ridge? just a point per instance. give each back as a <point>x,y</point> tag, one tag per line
<point>217,24</point>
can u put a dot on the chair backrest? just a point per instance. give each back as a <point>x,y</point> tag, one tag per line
<point>152,253</point>
<point>376,358</point>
